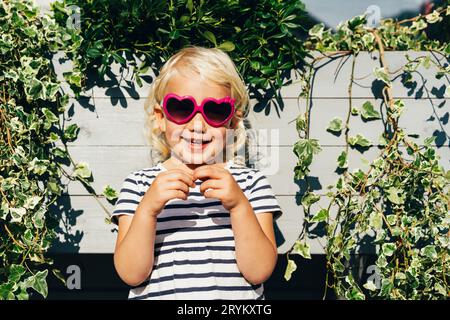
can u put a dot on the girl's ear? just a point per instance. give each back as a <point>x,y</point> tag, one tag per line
<point>160,118</point>
<point>235,120</point>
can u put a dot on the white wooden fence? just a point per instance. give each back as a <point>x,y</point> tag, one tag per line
<point>111,140</point>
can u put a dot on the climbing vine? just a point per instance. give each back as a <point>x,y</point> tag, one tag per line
<point>402,201</point>
<point>34,157</point>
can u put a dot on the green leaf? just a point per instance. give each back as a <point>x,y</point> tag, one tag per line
<point>418,25</point>
<point>395,195</point>
<point>430,252</point>
<point>50,116</point>
<point>6,291</point>
<point>189,6</point>
<point>38,217</point>
<point>381,74</point>
<point>17,214</point>
<point>301,248</point>
<point>335,125</point>
<point>210,36</point>
<point>369,285</point>
<point>359,140</point>
<point>320,216</point>
<point>227,46</point>
<point>109,192</point>
<point>291,267</point>
<point>38,282</point>
<point>391,219</point>
<point>305,148</point>
<point>342,160</point>
<point>376,220</point>
<point>368,112</point>
<point>35,90</point>
<point>15,272</point>
<point>71,132</point>
<point>433,17</point>
<point>317,31</point>
<point>439,288</point>
<point>388,249</point>
<point>93,53</point>
<point>82,170</point>
<point>309,198</point>
<point>119,58</point>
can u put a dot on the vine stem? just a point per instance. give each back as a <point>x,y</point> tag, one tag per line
<point>388,88</point>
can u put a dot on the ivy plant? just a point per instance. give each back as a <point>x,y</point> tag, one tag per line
<point>402,201</point>
<point>260,36</point>
<point>31,102</point>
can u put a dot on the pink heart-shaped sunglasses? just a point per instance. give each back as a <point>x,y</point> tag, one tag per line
<point>180,110</point>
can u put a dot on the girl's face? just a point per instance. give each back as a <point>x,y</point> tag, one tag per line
<point>179,137</point>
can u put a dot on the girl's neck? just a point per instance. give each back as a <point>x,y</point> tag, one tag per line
<point>174,162</point>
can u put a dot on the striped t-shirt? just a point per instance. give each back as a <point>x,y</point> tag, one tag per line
<point>194,246</point>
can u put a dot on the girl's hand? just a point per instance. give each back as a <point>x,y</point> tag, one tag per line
<point>170,184</point>
<point>224,186</point>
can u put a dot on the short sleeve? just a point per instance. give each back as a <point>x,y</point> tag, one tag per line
<point>129,198</point>
<point>261,196</point>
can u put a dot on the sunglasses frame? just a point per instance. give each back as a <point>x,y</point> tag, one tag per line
<point>198,108</point>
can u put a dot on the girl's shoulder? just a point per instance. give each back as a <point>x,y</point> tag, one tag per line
<point>145,174</point>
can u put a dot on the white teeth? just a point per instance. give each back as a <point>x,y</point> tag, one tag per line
<point>196,141</point>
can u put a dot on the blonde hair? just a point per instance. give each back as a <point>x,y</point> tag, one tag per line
<point>211,64</point>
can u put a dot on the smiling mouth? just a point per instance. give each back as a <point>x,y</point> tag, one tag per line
<point>197,143</point>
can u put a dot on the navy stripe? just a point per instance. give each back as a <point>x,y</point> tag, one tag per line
<point>262,198</point>
<point>117,212</point>
<point>127,201</point>
<point>241,173</point>
<point>131,181</point>
<point>125,190</point>
<point>186,229</point>
<point>145,183</point>
<point>192,262</point>
<point>192,276</point>
<point>176,242</point>
<point>195,216</point>
<point>151,170</point>
<point>261,188</point>
<point>254,183</point>
<point>194,289</point>
<point>142,175</point>
<point>267,208</point>
<point>193,205</point>
<point>195,249</point>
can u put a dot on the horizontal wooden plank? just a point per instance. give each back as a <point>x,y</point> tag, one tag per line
<point>111,164</point>
<point>331,79</point>
<point>333,76</point>
<point>83,228</point>
<point>103,123</point>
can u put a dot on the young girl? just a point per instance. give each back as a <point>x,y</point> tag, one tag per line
<point>193,226</point>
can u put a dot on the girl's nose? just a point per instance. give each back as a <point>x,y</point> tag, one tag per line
<point>197,123</point>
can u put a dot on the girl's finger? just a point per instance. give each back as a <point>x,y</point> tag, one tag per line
<point>176,194</point>
<point>205,172</point>
<point>181,176</point>
<point>210,184</point>
<point>177,185</point>
<point>212,193</point>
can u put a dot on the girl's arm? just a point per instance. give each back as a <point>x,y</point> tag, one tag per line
<point>134,252</point>
<point>256,250</point>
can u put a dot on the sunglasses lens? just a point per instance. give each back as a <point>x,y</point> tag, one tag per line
<point>179,110</point>
<point>217,112</point>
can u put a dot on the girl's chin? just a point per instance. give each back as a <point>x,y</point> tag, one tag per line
<point>197,154</point>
